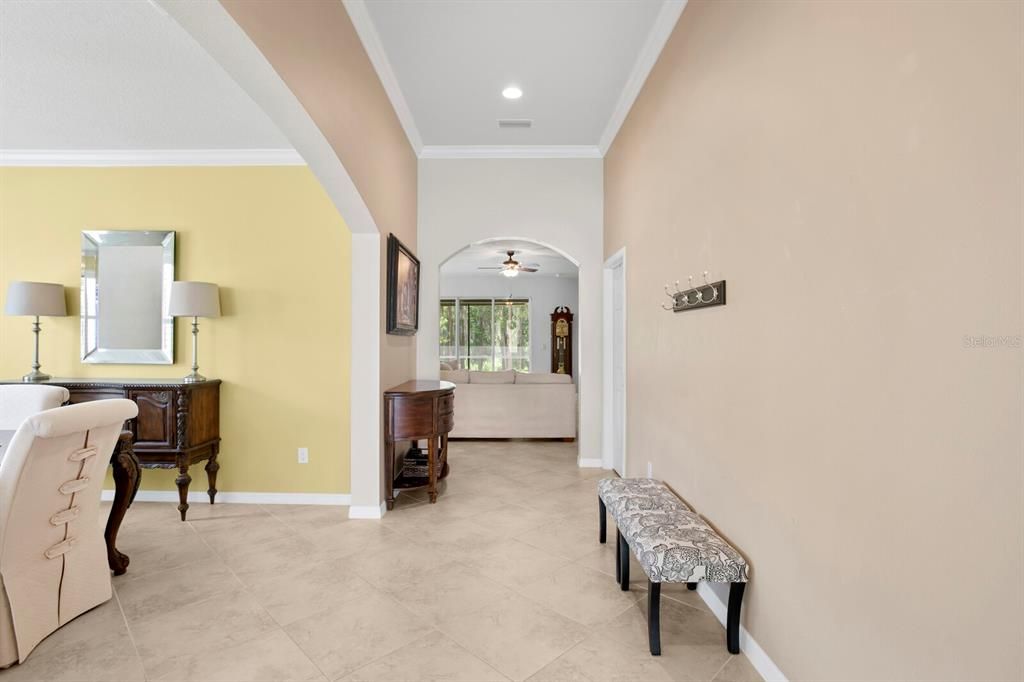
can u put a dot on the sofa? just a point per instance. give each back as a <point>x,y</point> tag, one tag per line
<point>512,404</point>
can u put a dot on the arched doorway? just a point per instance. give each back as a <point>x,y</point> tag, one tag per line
<point>496,298</point>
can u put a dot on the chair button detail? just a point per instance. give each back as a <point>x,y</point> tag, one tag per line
<point>73,486</point>
<point>65,516</point>
<point>84,453</point>
<point>60,549</point>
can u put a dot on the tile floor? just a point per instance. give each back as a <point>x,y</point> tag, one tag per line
<point>502,579</point>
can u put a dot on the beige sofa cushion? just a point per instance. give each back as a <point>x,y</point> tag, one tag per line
<point>542,378</point>
<point>515,411</point>
<point>506,377</point>
<point>456,376</point>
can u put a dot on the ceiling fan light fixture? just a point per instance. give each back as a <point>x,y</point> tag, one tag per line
<point>510,272</point>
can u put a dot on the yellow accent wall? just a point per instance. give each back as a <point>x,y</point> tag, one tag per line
<point>272,240</point>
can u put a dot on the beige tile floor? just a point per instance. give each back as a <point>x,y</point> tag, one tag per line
<point>502,579</point>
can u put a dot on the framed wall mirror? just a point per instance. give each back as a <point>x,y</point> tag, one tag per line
<point>126,288</point>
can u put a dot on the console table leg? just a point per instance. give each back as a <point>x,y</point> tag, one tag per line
<point>126,473</point>
<point>432,468</point>
<point>212,467</point>
<point>183,480</point>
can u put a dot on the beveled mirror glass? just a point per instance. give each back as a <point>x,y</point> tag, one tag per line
<point>126,288</point>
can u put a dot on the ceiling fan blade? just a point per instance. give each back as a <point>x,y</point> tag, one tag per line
<point>500,267</point>
<point>527,269</point>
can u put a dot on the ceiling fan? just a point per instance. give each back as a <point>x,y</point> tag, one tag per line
<point>512,267</point>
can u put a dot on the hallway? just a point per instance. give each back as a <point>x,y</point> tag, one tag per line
<point>512,585</point>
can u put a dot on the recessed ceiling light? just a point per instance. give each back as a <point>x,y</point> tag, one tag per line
<point>512,92</point>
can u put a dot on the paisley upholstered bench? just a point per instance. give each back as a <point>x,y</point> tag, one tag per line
<point>673,545</point>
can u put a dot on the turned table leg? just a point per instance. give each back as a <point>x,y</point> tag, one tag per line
<point>126,473</point>
<point>182,481</point>
<point>212,467</point>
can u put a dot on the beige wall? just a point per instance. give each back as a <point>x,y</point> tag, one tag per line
<point>314,48</point>
<point>854,170</point>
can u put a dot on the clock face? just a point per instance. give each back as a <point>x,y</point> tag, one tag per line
<point>562,328</point>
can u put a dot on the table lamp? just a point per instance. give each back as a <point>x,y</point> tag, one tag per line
<point>35,299</point>
<point>195,300</point>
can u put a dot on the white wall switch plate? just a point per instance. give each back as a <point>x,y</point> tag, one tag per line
<point>303,455</point>
<point>650,470</point>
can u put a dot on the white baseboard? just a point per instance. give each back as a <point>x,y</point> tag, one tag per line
<point>591,463</point>
<point>757,656</point>
<point>339,499</point>
<point>367,511</point>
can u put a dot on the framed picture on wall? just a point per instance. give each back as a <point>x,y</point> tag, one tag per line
<point>403,289</point>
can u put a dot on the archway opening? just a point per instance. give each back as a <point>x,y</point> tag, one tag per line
<point>515,368</point>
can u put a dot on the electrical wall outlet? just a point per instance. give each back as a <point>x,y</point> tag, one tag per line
<point>303,455</point>
<point>650,470</point>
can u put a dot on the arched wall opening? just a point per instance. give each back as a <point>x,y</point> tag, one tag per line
<point>497,296</point>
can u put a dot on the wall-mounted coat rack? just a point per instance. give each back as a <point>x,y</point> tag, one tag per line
<point>700,296</point>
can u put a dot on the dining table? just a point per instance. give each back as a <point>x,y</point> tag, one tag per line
<point>127,476</point>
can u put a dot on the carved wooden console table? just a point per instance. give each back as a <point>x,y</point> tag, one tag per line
<point>414,410</point>
<point>178,423</point>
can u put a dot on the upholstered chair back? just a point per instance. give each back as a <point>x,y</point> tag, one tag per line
<point>18,402</point>
<point>53,564</point>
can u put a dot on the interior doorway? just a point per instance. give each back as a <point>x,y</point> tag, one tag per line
<point>516,377</point>
<point>615,362</point>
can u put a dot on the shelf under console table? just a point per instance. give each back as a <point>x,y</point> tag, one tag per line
<point>178,423</point>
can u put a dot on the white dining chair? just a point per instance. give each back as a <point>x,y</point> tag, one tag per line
<point>53,559</point>
<point>18,402</point>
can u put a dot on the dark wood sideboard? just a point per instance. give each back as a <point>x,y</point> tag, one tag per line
<point>412,411</point>
<point>178,423</point>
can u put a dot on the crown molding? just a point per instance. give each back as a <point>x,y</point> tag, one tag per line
<point>150,157</point>
<point>367,32</point>
<point>645,61</point>
<point>510,152</point>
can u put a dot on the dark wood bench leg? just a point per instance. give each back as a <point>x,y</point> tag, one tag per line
<point>691,586</point>
<point>654,617</point>
<point>618,557</point>
<point>602,533</point>
<point>732,624</point>
<point>623,563</point>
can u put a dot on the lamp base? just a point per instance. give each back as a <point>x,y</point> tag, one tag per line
<point>35,376</point>
<point>194,378</point>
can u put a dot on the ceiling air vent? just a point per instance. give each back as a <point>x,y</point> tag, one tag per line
<point>515,123</point>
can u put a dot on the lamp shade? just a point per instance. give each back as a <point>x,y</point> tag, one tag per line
<point>35,298</point>
<point>194,299</point>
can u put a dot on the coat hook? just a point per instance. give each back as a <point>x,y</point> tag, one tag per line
<point>696,295</point>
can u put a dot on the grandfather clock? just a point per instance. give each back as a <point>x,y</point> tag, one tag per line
<point>561,341</point>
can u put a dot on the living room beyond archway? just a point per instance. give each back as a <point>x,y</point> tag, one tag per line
<point>514,367</point>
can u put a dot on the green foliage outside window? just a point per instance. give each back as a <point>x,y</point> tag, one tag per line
<point>485,334</point>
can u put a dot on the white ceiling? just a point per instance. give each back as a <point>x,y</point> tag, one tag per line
<point>578,62</point>
<point>492,253</point>
<point>117,75</point>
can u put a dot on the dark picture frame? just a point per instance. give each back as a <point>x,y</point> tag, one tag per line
<point>403,289</point>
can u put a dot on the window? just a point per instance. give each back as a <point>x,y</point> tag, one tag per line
<point>485,334</point>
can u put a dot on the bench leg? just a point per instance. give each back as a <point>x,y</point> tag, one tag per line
<point>691,586</point>
<point>654,617</point>
<point>732,625</point>
<point>618,557</point>
<point>623,563</point>
<point>602,534</point>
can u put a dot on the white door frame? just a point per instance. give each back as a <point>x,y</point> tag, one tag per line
<point>608,431</point>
